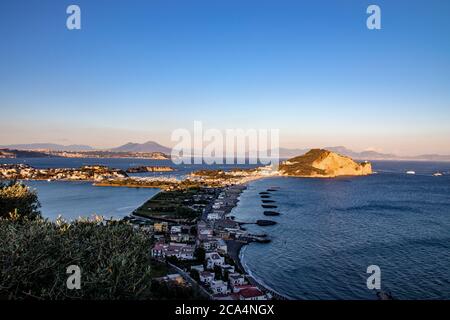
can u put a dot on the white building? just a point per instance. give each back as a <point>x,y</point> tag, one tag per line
<point>218,287</point>
<point>213,216</point>
<point>199,268</point>
<point>236,279</point>
<point>178,250</point>
<point>227,268</point>
<point>206,277</point>
<point>222,246</point>
<point>214,259</point>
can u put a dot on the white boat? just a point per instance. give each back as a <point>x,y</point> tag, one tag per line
<point>410,172</point>
<point>437,174</point>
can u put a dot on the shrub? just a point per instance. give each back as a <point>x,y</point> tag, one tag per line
<point>34,255</point>
<point>16,198</point>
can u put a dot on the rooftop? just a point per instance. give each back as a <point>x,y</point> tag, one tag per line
<point>251,292</point>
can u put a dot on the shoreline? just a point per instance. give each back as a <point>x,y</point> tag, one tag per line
<point>235,250</point>
<point>259,283</point>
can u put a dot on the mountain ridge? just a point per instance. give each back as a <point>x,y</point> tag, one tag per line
<point>284,153</point>
<point>149,146</point>
<point>47,146</point>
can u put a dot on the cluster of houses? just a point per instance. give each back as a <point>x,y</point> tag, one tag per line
<point>96,172</point>
<point>226,200</point>
<point>216,273</point>
<point>180,251</point>
<point>230,285</point>
<point>181,244</point>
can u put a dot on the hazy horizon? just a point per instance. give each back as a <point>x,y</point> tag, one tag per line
<point>171,144</point>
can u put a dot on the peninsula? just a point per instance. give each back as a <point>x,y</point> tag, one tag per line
<point>48,153</point>
<point>320,163</point>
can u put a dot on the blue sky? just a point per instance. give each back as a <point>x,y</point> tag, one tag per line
<point>139,69</point>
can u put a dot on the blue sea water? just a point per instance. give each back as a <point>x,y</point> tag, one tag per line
<point>331,230</point>
<point>74,199</point>
<point>181,170</point>
<point>81,199</point>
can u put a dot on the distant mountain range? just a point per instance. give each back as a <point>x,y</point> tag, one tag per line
<point>149,146</point>
<point>152,146</point>
<point>48,146</point>
<point>365,155</point>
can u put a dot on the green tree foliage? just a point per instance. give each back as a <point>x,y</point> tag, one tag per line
<point>113,257</point>
<point>172,291</point>
<point>16,198</point>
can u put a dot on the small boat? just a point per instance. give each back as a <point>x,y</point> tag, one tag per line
<point>437,174</point>
<point>264,223</point>
<point>268,201</point>
<point>264,240</point>
<point>265,197</point>
<point>264,193</point>
<point>268,206</point>
<point>272,190</point>
<point>271,213</point>
<point>410,172</point>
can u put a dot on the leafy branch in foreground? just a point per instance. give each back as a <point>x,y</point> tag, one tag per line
<point>114,257</point>
<point>34,254</point>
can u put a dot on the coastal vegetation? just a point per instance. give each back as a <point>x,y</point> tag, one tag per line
<point>34,255</point>
<point>113,256</point>
<point>234,173</point>
<point>148,182</point>
<point>182,204</point>
<point>17,199</point>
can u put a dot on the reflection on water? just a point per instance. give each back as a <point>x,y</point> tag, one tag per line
<point>330,230</point>
<point>74,199</point>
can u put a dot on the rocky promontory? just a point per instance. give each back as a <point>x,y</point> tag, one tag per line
<point>322,163</point>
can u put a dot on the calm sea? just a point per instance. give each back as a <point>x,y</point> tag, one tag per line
<point>331,230</point>
<point>328,232</point>
<point>74,199</point>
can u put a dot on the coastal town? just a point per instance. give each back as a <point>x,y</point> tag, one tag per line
<point>6,153</point>
<point>204,252</point>
<point>85,173</point>
<point>190,222</point>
